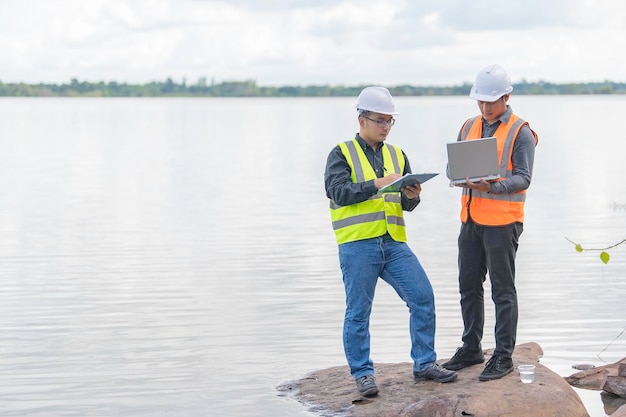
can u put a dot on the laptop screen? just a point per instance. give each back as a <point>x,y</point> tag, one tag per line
<point>474,159</point>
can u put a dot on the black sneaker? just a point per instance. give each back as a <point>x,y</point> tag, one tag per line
<point>464,358</point>
<point>367,385</point>
<point>496,368</point>
<point>436,373</point>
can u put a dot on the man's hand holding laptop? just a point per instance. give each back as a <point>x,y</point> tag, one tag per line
<point>482,185</point>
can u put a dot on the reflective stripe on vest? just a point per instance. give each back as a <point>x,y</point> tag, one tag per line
<point>381,213</point>
<point>495,209</point>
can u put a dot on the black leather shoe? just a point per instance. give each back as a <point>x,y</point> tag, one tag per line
<point>464,358</point>
<point>496,368</point>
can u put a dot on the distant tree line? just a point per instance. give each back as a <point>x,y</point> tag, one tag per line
<point>249,88</point>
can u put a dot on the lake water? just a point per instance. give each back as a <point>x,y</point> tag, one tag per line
<point>175,256</point>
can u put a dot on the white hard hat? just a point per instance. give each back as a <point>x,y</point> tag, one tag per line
<point>491,83</point>
<point>377,100</point>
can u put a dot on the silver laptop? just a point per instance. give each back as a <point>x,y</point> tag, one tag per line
<point>475,159</point>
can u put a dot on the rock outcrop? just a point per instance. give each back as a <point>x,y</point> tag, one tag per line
<point>621,412</point>
<point>609,378</point>
<point>332,392</point>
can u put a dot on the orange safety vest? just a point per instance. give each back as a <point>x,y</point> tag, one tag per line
<point>495,209</point>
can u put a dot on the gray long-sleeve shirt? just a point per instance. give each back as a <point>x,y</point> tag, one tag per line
<point>523,156</point>
<point>338,180</point>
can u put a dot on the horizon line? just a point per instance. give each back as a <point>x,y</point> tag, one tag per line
<point>203,81</point>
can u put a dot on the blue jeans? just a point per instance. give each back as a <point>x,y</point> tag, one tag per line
<point>362,263</point>
<point>493,249</point>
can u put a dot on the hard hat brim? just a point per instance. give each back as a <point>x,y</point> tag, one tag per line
<point>379,111</point>
<point>489,97</point>
<point>485,97</point>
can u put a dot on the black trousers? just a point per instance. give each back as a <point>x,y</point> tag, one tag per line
<point>490,249</point>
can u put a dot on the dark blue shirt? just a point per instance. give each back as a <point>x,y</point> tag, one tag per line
<point>338,177</point>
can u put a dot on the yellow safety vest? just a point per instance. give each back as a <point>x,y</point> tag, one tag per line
<point>495,209</point>
<point>379,214</point>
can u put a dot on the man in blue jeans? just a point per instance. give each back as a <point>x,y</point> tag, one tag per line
<point>370,231</point>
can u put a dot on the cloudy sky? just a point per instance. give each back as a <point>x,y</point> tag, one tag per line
<point>291,42</point>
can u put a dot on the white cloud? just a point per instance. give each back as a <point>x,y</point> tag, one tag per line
<point>282,42</point>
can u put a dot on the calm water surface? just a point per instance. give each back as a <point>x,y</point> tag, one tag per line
<point>175,256</point>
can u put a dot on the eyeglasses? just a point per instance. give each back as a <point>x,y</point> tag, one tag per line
<point>382,123</point>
